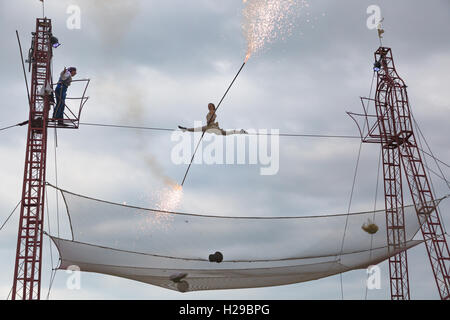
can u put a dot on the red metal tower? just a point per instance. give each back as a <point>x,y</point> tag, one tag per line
<point>392,127</point>
<point>27,270</point>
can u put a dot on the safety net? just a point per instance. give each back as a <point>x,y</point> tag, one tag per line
<point>188,252</point>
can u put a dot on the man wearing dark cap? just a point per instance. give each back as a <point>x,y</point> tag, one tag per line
<point>64,82</point>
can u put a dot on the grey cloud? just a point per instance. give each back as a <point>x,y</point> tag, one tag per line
<point>188,55</point>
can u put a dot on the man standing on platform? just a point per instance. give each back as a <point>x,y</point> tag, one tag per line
<point>64,82</point>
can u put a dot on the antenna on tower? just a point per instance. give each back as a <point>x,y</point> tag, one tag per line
<point>43,8</point>
<point>380,31</point>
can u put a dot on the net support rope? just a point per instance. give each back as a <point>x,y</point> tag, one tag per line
<point>49,244</point>
<point>373,216</point>
<point>353,187</point>
<point>431,180</point>
<point>10,215</point>
<point>443,177</point>
<point>56,181</point>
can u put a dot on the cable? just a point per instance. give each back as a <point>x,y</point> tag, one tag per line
<point>257,134</point>
<point>352,191</point>
<point>433,157</point>
<point>431,181</point>
<point>300,135</point>
<point>305,135</point>
<point>429,149</point>
<point>56,180</point>
<point>52,278</point>
<point>10,215</point>
<point>126,126</point>
<point>436,174</point>
<point>9,294</point>
<point>374,210</point>
<point>49,242</point>
<point>5,128</point>
<point>24,72</point>
<point>15,125</point>
<point>198,214</point>
<point>348,212</point>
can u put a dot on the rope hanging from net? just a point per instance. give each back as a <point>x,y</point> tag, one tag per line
<point>351,194</point>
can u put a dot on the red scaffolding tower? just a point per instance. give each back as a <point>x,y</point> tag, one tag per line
<point>27,270</point>
<point>392,127</point>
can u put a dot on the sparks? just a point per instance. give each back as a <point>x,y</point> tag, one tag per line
<point>170,198</point>
<point>247,57</point>
<point>167,199</point>
<point>266,20</point>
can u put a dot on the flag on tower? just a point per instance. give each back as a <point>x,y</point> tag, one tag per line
<point>380,29</point>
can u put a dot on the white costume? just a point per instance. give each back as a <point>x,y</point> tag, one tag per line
<point>213,127</point>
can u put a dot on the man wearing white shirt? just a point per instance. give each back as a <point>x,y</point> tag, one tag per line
<point>64,82</point>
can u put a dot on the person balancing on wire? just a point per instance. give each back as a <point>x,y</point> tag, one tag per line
<point>64,82</point>
<point>212,126</point>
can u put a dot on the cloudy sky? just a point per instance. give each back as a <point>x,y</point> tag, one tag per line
<point>158,63</point>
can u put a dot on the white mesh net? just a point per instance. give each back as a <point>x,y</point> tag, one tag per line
<point>172,250</point>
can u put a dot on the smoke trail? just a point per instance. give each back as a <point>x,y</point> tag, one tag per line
<point>157,170</point>
<point>112,17</point>
<point>167,198</point>
<point>130,105</point>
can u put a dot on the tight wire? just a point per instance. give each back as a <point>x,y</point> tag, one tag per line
<point>250,134</point>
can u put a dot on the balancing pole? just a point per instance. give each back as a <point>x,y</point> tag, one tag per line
<point>226,92</point>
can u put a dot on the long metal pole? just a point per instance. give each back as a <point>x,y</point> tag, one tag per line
<point>212,117</point>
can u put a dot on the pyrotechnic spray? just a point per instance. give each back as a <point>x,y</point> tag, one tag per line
<point>264,21</point>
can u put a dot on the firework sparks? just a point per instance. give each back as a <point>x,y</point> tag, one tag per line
<point>170,198</point>
<point>266,20</point>
<point>167,199</point>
